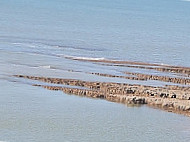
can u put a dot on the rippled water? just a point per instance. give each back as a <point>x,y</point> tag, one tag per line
<point>35,38</point>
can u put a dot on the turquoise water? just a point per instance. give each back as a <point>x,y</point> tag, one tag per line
<point>37,35</point>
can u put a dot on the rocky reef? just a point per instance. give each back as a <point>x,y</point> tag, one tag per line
<point>145,77</point>
<point>150,66</point>
<point>171,98</point>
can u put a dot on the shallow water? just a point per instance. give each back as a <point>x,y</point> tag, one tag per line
<point>36,114</point>
<point>35,38</point>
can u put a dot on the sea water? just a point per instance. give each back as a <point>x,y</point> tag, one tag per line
<point>37,35</point>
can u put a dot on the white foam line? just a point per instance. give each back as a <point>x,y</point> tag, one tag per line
<point>83,58</point>
<point>46,67</point>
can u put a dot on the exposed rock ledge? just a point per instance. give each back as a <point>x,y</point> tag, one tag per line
<point>171,98</point>
<point>142,65</point>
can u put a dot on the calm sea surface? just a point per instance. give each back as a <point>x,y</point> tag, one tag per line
<point>37,35</point>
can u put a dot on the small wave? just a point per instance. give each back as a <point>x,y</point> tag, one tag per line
<point>25,44</point>
<point>163,64</point>
<point>44,67</point>
<point>76,48</point>
<point>33,66</point>
<point>34,45</point>
<point>47,67</point>
<point>82,58</point>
